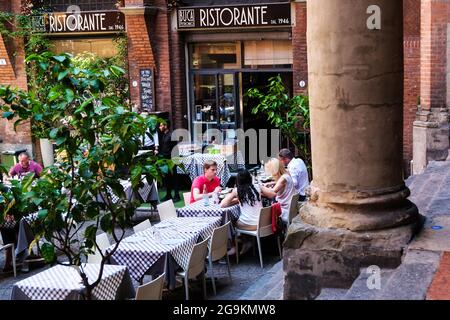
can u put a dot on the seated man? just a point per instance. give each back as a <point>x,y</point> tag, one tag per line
<point>297,170</point>
<point>25,166</point>
<point>208,179</point>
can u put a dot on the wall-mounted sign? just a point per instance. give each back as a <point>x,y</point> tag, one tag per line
<point>146,90</point>
<point>234,16</point>
<point>2,62</point>
<point>79,22</point>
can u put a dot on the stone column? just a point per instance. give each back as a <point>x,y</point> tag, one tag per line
<point>431,130</point>
<point>358,213</point>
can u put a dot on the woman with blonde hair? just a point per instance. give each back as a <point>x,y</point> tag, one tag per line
<point>284,188</point>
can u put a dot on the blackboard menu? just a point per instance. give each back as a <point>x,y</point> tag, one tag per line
<point>146,90</point>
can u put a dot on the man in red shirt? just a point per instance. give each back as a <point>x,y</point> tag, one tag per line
<point>208,179</point>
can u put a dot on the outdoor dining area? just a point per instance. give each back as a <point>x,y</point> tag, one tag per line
<point>180,248</point>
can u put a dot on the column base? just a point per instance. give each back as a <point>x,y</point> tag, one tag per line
<point>316,257</point>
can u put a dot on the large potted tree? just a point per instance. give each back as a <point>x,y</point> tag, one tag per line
<point>97,138</point>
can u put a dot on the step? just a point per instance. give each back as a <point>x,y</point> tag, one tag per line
<point>267,287</point>
<point>411,280</point>
<point>361,290</point>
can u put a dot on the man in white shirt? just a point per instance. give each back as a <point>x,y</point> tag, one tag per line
<point>298,171</point>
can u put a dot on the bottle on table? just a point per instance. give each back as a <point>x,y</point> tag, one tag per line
<point>205,196</point>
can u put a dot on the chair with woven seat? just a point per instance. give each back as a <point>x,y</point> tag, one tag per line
<point>166,210</point>
<point>103,243</point>
<point>264,229</point>
<point>218,249</point>
<point>196,266</point>
<point>13,258</point>
<point>152,290</point>
<point>142,226</point>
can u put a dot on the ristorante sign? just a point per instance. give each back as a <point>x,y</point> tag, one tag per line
<point>79,22</point>
<point>234,16</point>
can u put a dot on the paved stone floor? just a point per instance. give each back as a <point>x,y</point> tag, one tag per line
<point>244,275</point>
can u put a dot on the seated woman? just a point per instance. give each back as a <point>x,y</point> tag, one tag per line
<point>249,198</point>
<point>284,188</point>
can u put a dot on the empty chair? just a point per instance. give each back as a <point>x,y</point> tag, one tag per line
<point>103,243</point>
<point>218,249</point>
<point>142,226</point>
<point>187,198</point>
<point>196,266</point>
<point>263,229</point>
<point>152,290</point>
<point>166,210</point>
<point>13,258</point>
<point>293,208</point>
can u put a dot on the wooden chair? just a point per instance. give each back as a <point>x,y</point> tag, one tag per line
<point>166,210</point>
<point>152,290</point>
<point>196,266</point>
<point>218,249</point>
<point>264,229</point>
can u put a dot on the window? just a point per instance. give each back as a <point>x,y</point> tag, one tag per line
<point>102,47</point>
<point>215,56</point>
<point>268,53</point>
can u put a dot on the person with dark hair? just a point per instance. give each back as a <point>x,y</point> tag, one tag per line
<point>208,180</point>
<point>249,198</point>
<point>25,166</point>
<point>166,146</point>
<point>298,171</point>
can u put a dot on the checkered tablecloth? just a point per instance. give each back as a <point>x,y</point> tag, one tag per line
<point>193,164</point>
<point>63,282</point>
<point>148,192</point>
<point>198,209</point>
<point>140,254</point>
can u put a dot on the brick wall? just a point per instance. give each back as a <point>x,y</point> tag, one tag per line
<point>412,75</point>
<point>13,73</point>
<point>300,65</point>
<point>178,73</point>
<point>433,60</point>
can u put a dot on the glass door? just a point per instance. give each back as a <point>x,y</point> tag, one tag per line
<point>214,107</point>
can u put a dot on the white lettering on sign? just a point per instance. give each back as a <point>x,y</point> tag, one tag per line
<point>216,17</point>
<point>374,21</point>
<point>77,22</point>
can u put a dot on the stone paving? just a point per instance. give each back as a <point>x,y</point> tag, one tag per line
<point>244,275</point>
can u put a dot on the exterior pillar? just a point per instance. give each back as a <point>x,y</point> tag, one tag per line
<point>431,129</point>
<point>358,213</point>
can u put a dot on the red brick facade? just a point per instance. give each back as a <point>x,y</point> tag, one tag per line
<point>412,75</point>
<point>153,42</point>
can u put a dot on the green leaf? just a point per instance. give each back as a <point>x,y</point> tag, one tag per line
<point>60,58</point>
<point>8,115</point>
<point>69,95</point>
<point>53,94</point>
<point>63,74</point>
<point>53,133</point>
<point>48,252</point>
<point>60,140</point>
<point>42,214</point>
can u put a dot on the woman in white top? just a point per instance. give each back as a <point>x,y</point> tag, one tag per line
<point>249,199</point>
<point>284,188</point>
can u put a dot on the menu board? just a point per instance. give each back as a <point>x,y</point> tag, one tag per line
<point>146,90</point>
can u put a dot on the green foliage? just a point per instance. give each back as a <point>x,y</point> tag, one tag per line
<point>75,104</point>
<point>290,115</point>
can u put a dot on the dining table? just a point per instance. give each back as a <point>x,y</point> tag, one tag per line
<point>164,247</point>
<point>63,282</point>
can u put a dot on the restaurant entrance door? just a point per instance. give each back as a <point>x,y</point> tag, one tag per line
<point>215,107</point>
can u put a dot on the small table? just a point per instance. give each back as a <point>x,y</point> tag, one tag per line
<point>64,283</point>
